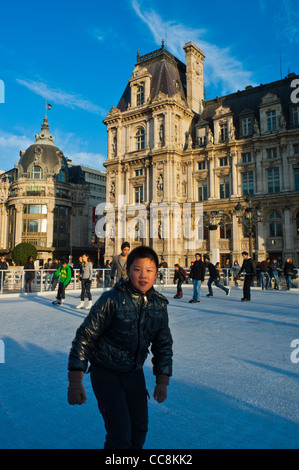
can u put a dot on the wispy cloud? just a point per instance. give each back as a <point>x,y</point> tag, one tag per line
<point>284,18</point>
<point>10,146</point>
<point>9,140</point>
<point>219,67</point>
<point>70,100</point>
<point>76,149</point>
<point>94,160</point>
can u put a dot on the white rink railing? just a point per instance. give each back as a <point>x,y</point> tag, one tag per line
<point>13,280</point>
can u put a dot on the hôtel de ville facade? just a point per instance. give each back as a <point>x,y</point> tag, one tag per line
<point>226,169</point>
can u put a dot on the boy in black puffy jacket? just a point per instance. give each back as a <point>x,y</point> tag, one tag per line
<point>114,338</point>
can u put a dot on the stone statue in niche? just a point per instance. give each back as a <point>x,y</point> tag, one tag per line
<point>160,183</point>
<point>161,135</point>
<point>282,122</point>
<point>112,191</point>
<point>256,130</point>
<point>232,132</point>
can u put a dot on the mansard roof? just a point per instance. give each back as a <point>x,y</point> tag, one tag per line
<point>167,72</point>
<point>251,98</point>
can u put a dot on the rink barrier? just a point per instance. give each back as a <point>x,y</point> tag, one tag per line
<point>12,281</point>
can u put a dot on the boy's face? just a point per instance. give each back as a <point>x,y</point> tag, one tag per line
<point>142,274</point>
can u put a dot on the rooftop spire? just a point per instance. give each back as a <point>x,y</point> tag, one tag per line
<point>44,137</point>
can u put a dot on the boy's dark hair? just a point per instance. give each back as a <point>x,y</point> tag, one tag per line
<point>244,253</point>
<point>142,252</point>
<point>177,265</point>
<point>64,261</point>
<point>207,258</point>
<point>125,245</point>
<point>197,254</point>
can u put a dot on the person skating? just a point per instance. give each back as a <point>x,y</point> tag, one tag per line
<point>274,270</point>
<point>235,271</point>
<point>162,270</point>
<point>119,263</point>
<point>29,274</point>
<point>115,339</point>
<point>197,274</point>
<point>264,274</point>
<point>64,274</point>
<point>180,276</point>
<point>248,267</point>
<point>289,273</point>
<point>3,268</point>
<point>214,277</point>
<point>86,276</point>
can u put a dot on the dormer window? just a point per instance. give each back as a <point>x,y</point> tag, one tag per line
<point>36,173</point>
<point>295,116</point>
<point>246,126</point>
<point>61,176</point>
<point>140,95</point>
<point>271,120</point>
<point>223,132</point>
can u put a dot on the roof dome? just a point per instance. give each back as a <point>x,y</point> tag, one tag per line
<point>43,153</point>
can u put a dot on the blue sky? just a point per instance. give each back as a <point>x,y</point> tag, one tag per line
<point>79,55</point>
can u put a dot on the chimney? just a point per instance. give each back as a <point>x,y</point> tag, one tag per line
<point>194,76</point>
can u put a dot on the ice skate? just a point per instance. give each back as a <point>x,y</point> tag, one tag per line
<point>81,304</point>
<point>89,305</point>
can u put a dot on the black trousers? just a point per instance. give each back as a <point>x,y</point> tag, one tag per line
<point>61,291</point>
<point>179,287</point>
<point>246,287</point>
<point>85,289</point>
<point>122,401</point>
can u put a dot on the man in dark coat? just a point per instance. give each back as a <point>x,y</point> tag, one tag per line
<point>197,274</point>
<point>214,277</point>
<point>248,267</point>
<point>3,268</point>
<point>264,267</point>
<point>289,273</point>
<point>29,274</point>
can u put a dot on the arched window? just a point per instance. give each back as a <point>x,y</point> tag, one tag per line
<point>140,95</point>
<point>62,175</point>
<point>36,173</point>
<point>275,224</point>
<point>140,139</point>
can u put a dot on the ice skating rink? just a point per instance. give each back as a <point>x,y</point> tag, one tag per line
<point>234,386</point>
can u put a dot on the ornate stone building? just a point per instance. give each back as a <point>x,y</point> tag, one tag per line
<point>171,152</point>
<point>43,201</point>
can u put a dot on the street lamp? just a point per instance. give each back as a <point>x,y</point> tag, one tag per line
<point>214,219</point>
<point>249,216</point>
<point>99,244</point>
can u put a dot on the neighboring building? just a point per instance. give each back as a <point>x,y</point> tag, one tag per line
<point>45,202</point>
<point>169,146</point>
<point>96,181</point>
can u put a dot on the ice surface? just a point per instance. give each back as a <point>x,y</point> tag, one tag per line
<point>234,384</point>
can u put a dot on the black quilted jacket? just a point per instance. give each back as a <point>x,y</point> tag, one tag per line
<point>120,328</point>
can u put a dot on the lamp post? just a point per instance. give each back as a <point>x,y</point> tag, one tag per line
<point>97,242</point>
<point>214,219</point>
<point>249,216</point>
